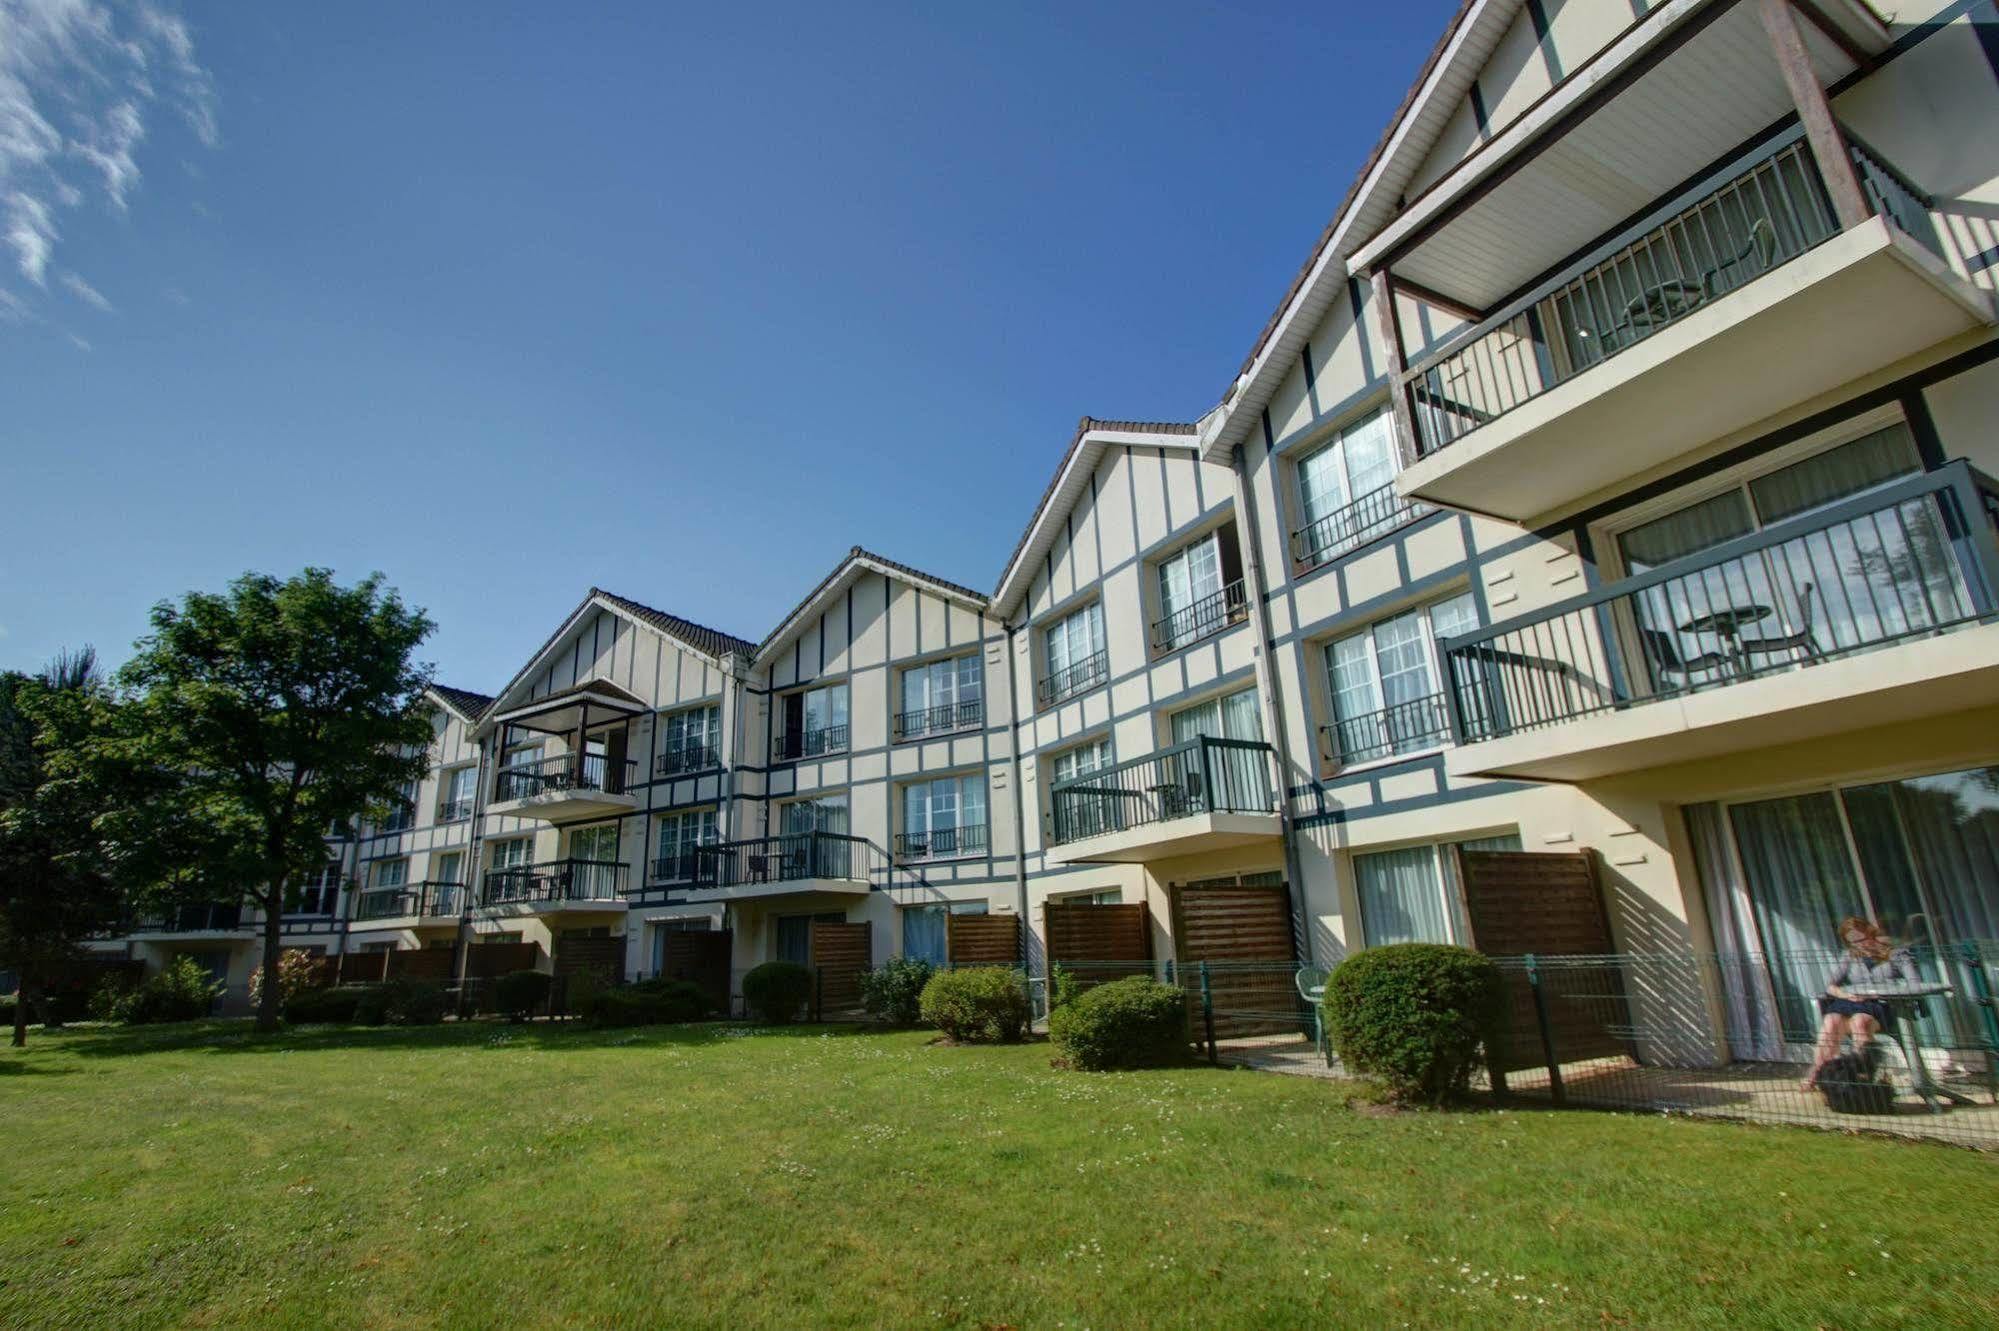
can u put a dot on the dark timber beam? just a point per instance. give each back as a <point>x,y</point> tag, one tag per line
<point>1829,148</point>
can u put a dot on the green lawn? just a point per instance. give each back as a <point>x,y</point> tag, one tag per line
<point>485,1175</point>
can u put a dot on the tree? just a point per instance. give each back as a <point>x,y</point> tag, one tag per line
<point>264,716</point>
<point>55,885</point>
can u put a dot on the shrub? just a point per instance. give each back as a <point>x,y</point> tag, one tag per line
<point>647,1003</point>
<point>335,1006</point>
<point>411,1002</point>
<point>1415,1015</point>
<point>580,991</point>
<point>893,991</point>
<point>298,971</point>
<point>1131,1023</point>
<point>181,991</point>
<point>777,991</point>
<point>104,999</point>
<point>978,1005</point>
<point>518,993</point>
<point>1062,988</point>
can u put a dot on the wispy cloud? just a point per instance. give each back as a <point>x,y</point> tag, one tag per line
<point>86,293</point>
<point>80,84</point>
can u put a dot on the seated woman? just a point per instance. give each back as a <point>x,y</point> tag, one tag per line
<point>1870,960</point>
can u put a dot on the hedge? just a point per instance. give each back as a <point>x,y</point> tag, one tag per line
<point>978,1005</point>
<point>1135,1022</point>
<point>1418,1016</point>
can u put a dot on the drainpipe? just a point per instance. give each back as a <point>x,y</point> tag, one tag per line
<point>1019,813</point>
<point>468,893</point>
<point>1269,689</point>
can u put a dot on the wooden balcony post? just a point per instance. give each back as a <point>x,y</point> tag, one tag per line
<point>1829,146</point>
<point>1390,325</point>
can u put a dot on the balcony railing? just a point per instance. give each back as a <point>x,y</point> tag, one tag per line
<point>684,758</point>
<point>1908,560</point>
<point>1202,775</point>
<point>940,720</point>
<point>809,743</point>
<point>548,776</point>
<point>1754,215</point>
<point>1204,618</point>
<point>451,811</point>
<point>427,899</point>
<point>555,881</point>
<point>787,858</point>
<point>680,867</point>
<point>1373,515</point>
<point>195,919</point>
<point>1404,727</point>
<point>1070,680</point>
<point>941,843</point>
<point>400,819</point>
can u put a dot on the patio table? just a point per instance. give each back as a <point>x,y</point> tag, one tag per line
<point>1727,624</point>
<point>1910,1004</point>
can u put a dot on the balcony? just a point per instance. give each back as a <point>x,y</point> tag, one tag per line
<point>1077,677</point>
<point>1411,726</point>
<point>426,901</point>
<point>1201,795</point>
<point>1875,611</point>
<point>1368,518</point>
<point>567,787</point>
<point>1203,619</point>
<point>1723,305</point>
<point>942,843</point>
<point>193,919</point>
<point>944,720</point>
<point>452,811</point>
<point>557,884</point>
<point>686,759</point>
<point>825,742</point>
<point>788,864</point>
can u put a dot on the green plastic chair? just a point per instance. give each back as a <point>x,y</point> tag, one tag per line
<point>1311,981</point>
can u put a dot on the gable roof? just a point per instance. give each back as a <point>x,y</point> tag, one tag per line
<point>1079,461</point>
<point>467,705</point>
<point>858,561</point>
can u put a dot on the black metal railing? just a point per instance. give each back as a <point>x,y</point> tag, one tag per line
<point>1894,196</point>
<point>1073,679</point>
<point>941,842</point>
<point>1756,214</point>
<point>451,811</point>
<point>1204,618</point>
<point>684,758</point>
<point>789,857</point>
<point>938,720</point>
<point>550,776</point>
<point>401,818</point>
<point>1403,727</point>
<point>192,919</point>
<point>679,867</point>
<point>1373,515</point>
<point>557,880</point>
<point>1908,560</point>
<point>1202,775</point>
<point>387,903</point>
<point>796,744</point>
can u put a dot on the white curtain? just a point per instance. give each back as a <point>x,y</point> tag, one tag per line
<point>1801,883</point>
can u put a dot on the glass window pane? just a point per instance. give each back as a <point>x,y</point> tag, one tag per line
<point>1693,528</point>
<point>1836,474</point>
<point>1369,457</point>
<point>1401,897</point>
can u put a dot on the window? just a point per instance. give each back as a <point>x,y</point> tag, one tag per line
<point>389,873</point>
<point>690,741</point>
<point>1081,760</point>
<point>1110,896</point>
<point>449,868</point>
<point>1346,491</point>
<point>598,845</point>
<point>459,784</point>
<point>943,695</point>
<point>1387,697</point>
<point>824,813</point>
<point>514,853</point>
<point>679,835</point>
<point>402,809</point>
<point>318,894</point>
<point>820,857</point>
<point>943,817</point>
<point>926,930</point>
<point>1411,895</point>
<point>1076,659</point>
<point>1235,716</point>
<point>1199,591</point>
<point>814,722</point>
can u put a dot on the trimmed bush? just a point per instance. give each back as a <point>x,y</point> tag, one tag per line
<point>410,1002</point>
<point>518,993</point>
<point>335,1006</point>
<point>978,1005</point>
<point>893,991</point>
<point>1418,1016</point>
<point>777,991</point>
<point>1136,1022</point>
<point>647,1003</point>
<point>298,971</point>
<point>182,991</point>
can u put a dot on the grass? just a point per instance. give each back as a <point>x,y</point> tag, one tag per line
<point>477,1175</point>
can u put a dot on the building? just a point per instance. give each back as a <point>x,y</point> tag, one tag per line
<point>1616,475</point>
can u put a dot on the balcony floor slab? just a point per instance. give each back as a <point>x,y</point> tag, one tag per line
<point>565,806</point>
<point>1194,834</point>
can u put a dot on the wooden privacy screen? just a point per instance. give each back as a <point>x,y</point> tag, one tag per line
<point>982,940</point>
<point>425,963</point>
<point>1098,943</point>
<point>1549,904</point>
<point>840,952</point>
<point>1245,936</point>
<point>577,953</point>
<point>486,961</point>
<point>701,959</point>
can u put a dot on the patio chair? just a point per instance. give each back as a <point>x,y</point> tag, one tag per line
<point>1311,982</point>
<point>1799,640</point>
<point>1666,301</point>
<point>1664,654</point>
<point>1762,245</point>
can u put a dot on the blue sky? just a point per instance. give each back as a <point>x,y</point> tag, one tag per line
<point>504,301</point>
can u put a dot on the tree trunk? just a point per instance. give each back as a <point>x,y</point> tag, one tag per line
<point>270,1004</point>
<point>21,1013</point>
